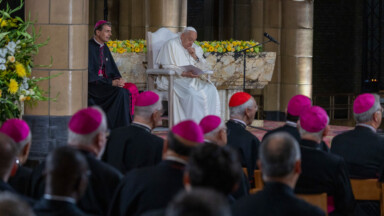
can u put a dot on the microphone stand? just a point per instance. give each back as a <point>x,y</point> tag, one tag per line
<point>245,63</point>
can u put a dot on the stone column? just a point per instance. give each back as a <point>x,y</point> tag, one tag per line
<point>65,22</point>
<point>257,20</point>
<point>124,19</point>
<point>296,49</point>
<point>272,25</point>
<point>166,13</point>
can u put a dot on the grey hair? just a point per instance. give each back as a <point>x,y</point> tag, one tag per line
<point>368,115</point>
<point>278,155</point>
<point>239,110</point>
<point>147,111</point>
<point>20,145</point>
<point>318,135</point>
<point>188,29</point>
<point>86,139</point>
<point>216,130</point>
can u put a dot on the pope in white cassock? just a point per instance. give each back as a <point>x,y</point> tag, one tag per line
<point>194,98</point>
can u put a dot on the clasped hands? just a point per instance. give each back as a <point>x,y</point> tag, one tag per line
<point>118,82</point>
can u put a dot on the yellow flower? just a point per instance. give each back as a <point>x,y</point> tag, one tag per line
<point>120,50</point>
<point>114,45</point>
<point>141,46</point>
<point>20,70</point>
<point>211,49</point>
<point>137,49</point>
<point>224,50</point>
<point>28,98</point>
<point>0,93</point>
<point>3,23</point>
<point>109,43</point>
<point>22,98</point>
<point>13,86</point>
<point>11,59</point>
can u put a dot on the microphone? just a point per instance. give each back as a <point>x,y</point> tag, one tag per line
<point>270,38</point>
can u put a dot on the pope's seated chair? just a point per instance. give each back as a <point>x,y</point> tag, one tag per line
<point>156,40</point>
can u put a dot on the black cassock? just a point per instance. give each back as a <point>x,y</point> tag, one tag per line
<point>245,143</point>
<point>20,181</point>
<point>274,199</point>
<point>133,147</point>
<point>115,101</point>
<point>102,184</point>
<point>148,188</point>
<point>324,172</point>
<point>295,133</point>
<point>46,207</point>
<point>363,152</point>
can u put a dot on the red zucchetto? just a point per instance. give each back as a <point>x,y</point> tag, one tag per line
<point>238,99</point>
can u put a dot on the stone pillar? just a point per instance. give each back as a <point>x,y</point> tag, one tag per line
<point>296,49</point>
<point>272,25</point>
<point>166,13</point>
<point>65,22</point>
<point>124,19</point>
<point>257,20</point>
<point>241,19</point>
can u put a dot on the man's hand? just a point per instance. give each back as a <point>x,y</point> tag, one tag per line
<point>118,82</point>
<point>192,52</point>
<point>189,74</point>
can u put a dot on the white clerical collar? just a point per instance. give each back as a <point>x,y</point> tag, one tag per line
<point>59,198</point>
<point>239,121</point>
<point>208,141</point>
<point>291,123</point>
<point>367,126</point>
<point>142,124</point>
<point>101,45</point>
<point>173,158</point>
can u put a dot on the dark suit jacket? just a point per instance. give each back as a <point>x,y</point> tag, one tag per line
<point>133,147</point>
<point>276,199</point>
<point>362,150</point>
<point>295,133</point>
<point>102,184</point>
<point>5,187</point>
<point>325,172</point>
<point>56,208</point>
<point>20,181</point>
<point>245,143</point>
<point>148,189</point>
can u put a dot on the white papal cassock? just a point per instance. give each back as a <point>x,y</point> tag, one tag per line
<point>194,97</point>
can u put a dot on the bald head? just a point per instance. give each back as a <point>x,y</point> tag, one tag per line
<point>278,154</point>
<point>8,153</point>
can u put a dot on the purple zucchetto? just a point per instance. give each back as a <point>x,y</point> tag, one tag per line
<point>17,129</point>
<point>147,98</point>
<point>314,119</point>
<point>85,121</point>
<point>99,23</point>
<point>298,104</point>
<point>363,103</point>
<point>189,131</point>
<point>210,123</point>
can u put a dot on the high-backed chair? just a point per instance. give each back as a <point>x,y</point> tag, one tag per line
<point>368,189</point>
<point>154,43</point>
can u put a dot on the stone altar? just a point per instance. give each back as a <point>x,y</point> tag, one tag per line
<point>227,67</point>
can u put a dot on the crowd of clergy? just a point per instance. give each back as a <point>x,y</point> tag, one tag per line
<point>198,169</point>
